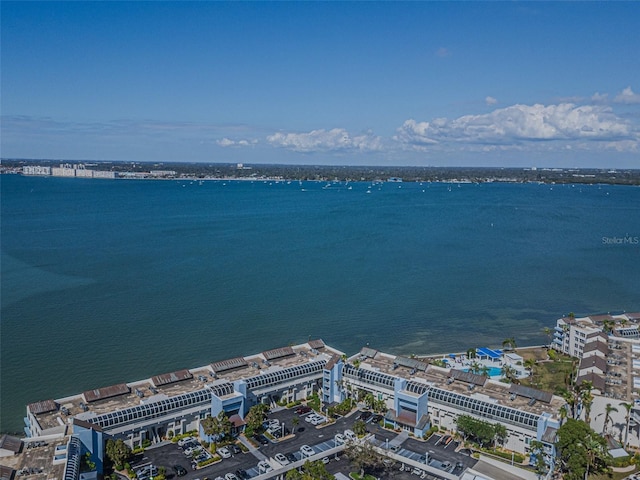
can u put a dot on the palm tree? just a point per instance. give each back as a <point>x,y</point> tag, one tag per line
<point>607,415</point>
<point>509,343</point>
<point>562,414</point>
<point>508,372</point>
<point>571,397</point>
<point>594,450</point>
<point>530,364</point>
<point>471,353</point>
<point>548,332</point>
<point>627,418</point>
<point>586,397</point>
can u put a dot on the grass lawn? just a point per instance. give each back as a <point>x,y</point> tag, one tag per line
<point>549,375</point>
<point>356,476</point>
<point>613,476</point>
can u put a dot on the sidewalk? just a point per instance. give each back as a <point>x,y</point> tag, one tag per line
<point>252,450</point>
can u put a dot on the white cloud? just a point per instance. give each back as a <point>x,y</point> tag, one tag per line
<point>627,96</point>
<point>600,98</point>
<point>337,139</point>
<point>490,101</point>
<point>227,142</point>
<point>520,123</point>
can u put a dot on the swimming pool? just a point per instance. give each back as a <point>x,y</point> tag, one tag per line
<point>493,371</point>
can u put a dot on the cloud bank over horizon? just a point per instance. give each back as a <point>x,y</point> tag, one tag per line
<point>555,127</point>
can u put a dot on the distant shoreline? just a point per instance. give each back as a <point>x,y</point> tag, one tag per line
<point>323,173</point>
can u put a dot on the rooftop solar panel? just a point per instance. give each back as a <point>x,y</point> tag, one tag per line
<point>317,344</point>
<point>42,407</point>
<point>532,393</point>
<point>106,392</point>
<point>467,377</point>
<point>411,363</point>
<point>278,353</point>
<point>230,364</point>
<point>172,377</point>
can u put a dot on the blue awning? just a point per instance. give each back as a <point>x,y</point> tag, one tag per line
<point>487,352</point>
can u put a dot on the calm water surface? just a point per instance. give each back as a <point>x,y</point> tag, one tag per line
<point>112,281</point>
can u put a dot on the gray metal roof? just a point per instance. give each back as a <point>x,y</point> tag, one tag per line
<point>106,392</point>
<point>172,377</point>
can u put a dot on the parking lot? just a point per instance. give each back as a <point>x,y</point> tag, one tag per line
<point>319,439</point>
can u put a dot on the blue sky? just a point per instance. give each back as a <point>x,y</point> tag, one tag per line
<point>352,83</point>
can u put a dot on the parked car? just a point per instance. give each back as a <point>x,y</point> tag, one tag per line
<point>261,439</point>
<point>364,416</point>
<point>291,457</point>
<point>264,466</point>
<point>281,459</point>
<point>242,474</point>
<point>224,452</point>
<point>339,438</point>
<point>184,440</point>
<point>303,409</point>
<point>230,476</point>
<point>306,450</point>
<point>350,436</point>
<point>180,470</point>
<point>235,449</point>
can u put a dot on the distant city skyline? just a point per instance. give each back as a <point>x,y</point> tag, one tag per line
<point>547,84</point>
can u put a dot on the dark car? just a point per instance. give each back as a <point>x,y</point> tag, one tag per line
<point>376,418</point>
<point>291,457</point>
<point>242,474</point>
<point>365,415</point>
<point>261,439</point>
<point>234,448</point>
<point>180,470</point>
<point>303,409</point>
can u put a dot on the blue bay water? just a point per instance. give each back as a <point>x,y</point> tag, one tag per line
<point>112,281</point>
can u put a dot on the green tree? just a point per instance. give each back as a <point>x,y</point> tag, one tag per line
<point>118,452</point>
<point>580,450</point>
<point>369,400</point>
<point>471,353</point>
<point>359,427</point>
<point>549,333</point>
<point>295,421</point>
<point>509,343</point>
<point>530,364</point>
<point>586,398</point>
<point>255,416</point>
<point>536,450</point>
<point>499,433</point>
<point>481,431</point>
<point>608,409</point>
<point>627,418</point>
<point>509,372</point>
<point>310,471</point>
<point>364,457</point>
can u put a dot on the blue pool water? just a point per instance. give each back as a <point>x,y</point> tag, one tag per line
<point>493,371</point>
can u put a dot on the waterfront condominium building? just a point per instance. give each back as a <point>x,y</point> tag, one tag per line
<point>417,396</point>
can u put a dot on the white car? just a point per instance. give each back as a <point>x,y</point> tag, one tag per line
<point>306,451</point>
<point>264,467</point>
<point>224,452</point>
<point>230,476</point>
<point>339,438</point>
<point>350,436</point>
<point>318,420</point>
<point>281,459</point>
<point>182,441</point>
